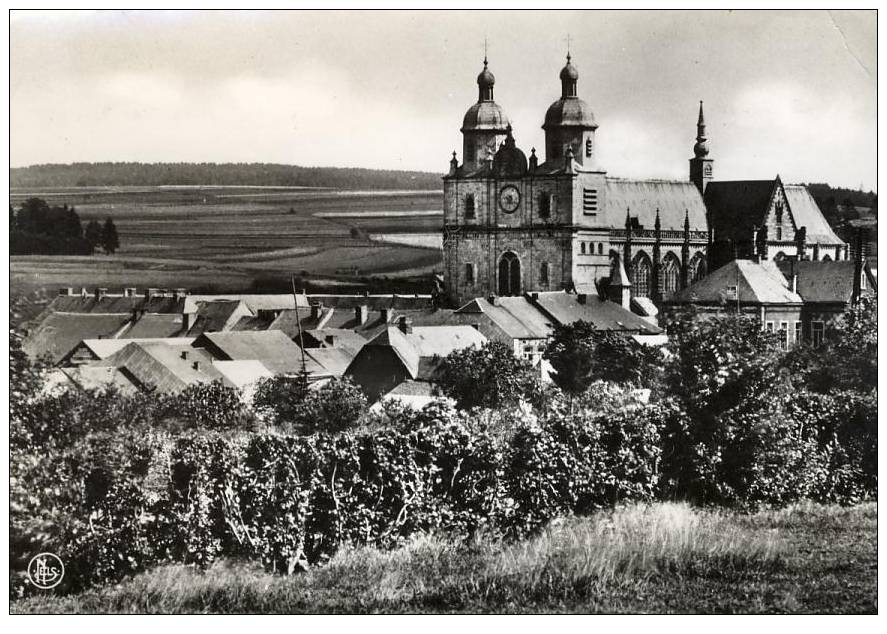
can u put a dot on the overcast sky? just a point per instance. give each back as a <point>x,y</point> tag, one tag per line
<point>792,93</point>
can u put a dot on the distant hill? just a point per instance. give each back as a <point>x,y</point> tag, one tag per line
<point>261,174</point>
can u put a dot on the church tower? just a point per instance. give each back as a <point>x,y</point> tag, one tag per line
<point>701,167</point>
<point>569,123</point>
<point>485,125</point>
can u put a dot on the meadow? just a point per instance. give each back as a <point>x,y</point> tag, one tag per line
<point>227,238</point>
<point>660,558</point>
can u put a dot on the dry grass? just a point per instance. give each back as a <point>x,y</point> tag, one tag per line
<point>659,558</point>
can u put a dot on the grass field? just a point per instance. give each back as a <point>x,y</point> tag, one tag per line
<point>663,558</point>
<point>227,237</point>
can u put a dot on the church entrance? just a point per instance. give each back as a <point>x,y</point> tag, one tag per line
<point>509,275</point>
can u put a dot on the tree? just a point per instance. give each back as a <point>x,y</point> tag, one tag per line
<point>93,234</point>
<point>490,376</point>
<point>110,242</point>
<point>278,398</point>
<point>571,353</point>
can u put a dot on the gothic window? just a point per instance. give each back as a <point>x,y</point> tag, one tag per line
<point>544,205</point>
<point>696,269</point>
<point>826,258</point>
<point>509,275</point>
<point>543,274</point>
<point>600,248</point>
<point>588,147</point>
<point>469,206</point>
<point>778,233</point>
<point>779,208</point>
<point>670,275</point>
<point>641,271</point>
<point>589,201</point>
<point>469,273</point>
<point>779,257</point>
<point>582,248</point>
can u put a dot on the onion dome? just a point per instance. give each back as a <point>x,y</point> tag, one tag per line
<point>569,110</point>
<point>486,113</point>
<point>509,161</point>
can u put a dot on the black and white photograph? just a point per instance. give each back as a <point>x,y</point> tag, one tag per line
<point>392,311</point>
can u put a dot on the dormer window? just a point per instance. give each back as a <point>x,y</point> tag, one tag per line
<point>469,206</point>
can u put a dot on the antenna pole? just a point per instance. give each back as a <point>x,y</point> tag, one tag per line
<point>299,323</point>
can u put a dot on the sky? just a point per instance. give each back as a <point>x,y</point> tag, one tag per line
<point>788,93</point>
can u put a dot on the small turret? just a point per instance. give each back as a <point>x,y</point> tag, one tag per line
<point>701,167</point>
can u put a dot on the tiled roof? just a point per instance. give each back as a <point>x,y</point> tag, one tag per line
<point>103,348</point>
<point>515,316</point>
<point>756,283</point>
<point>566,308</point>
<point>150,326</point>
<point>272,347</point>
<point>58,333</point>
<point>334,360</point>
<point>440,341</point>
<point>159,366</point>
<point>806,213</point>
<point>116,304</point>
<point>642,198</point>
<point>821,281</point>
<point>334,338</point>
<point>242,374</point>
<point>214,316</point>
<point>91,377</point>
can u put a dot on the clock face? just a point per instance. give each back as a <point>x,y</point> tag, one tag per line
<point>509,198</point>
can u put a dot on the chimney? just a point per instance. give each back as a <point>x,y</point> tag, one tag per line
<point>149,293</point>
<point>385,314</point>
<point>794,275</point>
<point>316,310</point>
<point>361,314</point>
<point>196,365</point>
<point>100,293</point>
<point>582,298</point>
<point>179,293</point>
<point>476,326</point>
<point>331,340</point>
<point>816,252</point>
<point>534,296</point>
<point>405,325</point>
<point>184,355</point>
<point>66,291</point>
<point>493,300</point>
<point>129,292</point>
<point>187,321</point>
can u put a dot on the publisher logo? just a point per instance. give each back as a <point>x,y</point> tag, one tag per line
<point>46,571</point>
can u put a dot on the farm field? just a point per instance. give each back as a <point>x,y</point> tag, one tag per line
<point>665,558</point>
<point>226,238</point>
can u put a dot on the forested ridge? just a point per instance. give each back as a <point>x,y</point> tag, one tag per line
<point>246,174</point>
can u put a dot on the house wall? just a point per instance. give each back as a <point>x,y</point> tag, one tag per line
<point>377,370</point>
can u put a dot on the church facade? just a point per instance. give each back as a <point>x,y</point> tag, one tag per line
<point>515,224</point>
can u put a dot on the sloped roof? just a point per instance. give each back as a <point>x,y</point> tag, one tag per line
<point>213,316</point>
<point>241,374</point>
<point>341,338</point>
<point>333,360</point>
<point>642,198</point>
<point>256,302</point>
<point>737,207</point>
<point>393,338</point>
<point>91,377</point>
<point>272,347</point>
<point>117,304</point>
<point>756,283</point>
<point>412,388</point>
<point>249,322</point>
<point>103,348</point>
<point>161,366</point>
<point>152,326</point>
<point>806,213</point>
<point>440,341</point>
<point>57,333</point>
<point>516,316</point>
<point>821,281</point>
<point>566,308</point>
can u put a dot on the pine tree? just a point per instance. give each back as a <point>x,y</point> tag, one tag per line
<point>93,234</point>
<point>110,242</point>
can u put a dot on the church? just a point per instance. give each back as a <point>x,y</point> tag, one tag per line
<point>515,224</point>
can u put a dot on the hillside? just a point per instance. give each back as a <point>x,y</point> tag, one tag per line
<point>243,174</point>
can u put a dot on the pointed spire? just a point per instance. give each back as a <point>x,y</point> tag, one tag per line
<point>701,147</point>
<point>657,225</point>
<point>686,221</point>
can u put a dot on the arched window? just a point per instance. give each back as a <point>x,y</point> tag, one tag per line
<point>779,257</point>
<point>670,275</point>
<point>582,248</point>
<point>469,206</point>
<point>826,258</point>
<point>641,271</point>
<point>588,146</point>
<point>509,275</point>
<point>696,268</point>
<point>600,248</point>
